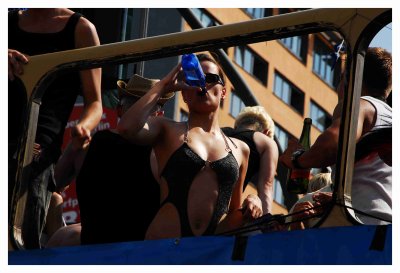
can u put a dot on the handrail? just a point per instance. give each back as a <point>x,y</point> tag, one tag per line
<point>350,23</point>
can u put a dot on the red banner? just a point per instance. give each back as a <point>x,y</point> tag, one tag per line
<point>108,120</point>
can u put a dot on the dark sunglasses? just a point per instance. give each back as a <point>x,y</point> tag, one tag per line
<point>214,78</point>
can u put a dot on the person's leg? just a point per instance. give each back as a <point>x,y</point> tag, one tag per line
<point>66,236</point>
<point>54,220</point>
<point>12,171</point>
<point>37,204</point>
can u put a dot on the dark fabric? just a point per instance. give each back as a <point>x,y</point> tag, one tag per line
<point>315,246</point>
<point>180,171</point>
<point>117,193</point>
<point>377,141</point>
<point>17,102</point>
<point>57,104</point>
<point>59,98</point>
<point>246,136</point>
<point>40,189</point>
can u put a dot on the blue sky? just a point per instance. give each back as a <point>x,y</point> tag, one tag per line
<point>383,38</point>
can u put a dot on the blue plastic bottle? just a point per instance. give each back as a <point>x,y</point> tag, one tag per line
<point>193,73</point>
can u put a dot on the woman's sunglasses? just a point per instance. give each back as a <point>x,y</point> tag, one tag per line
<point>214,78</point>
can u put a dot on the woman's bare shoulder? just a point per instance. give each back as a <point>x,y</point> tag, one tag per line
<point>241,145</point>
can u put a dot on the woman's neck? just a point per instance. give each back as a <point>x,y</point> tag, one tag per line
<point>43,13</point>
<point>209,123</point>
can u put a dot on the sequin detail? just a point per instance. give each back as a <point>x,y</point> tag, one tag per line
<point>180,171</point>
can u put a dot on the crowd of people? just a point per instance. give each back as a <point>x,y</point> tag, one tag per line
<point>143,153</point>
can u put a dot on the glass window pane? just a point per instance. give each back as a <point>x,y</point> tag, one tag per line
<point>296,46</point>
<point>249,10</point>
<point>259,13</point>
<point>313,111</point>
<point>206,21</point>
<point>321,119</point>
<point>236,105</point>
<point>184,116</point>
<point>316,61</point>
<point>286,93</point>
<point>248,61</point>
<point>238,56</point>
<point>282,136</point>
<point>278,194</point>
<point>278,85</point>
<point>196,12</point>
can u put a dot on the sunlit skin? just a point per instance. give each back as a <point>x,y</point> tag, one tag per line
<point>204,138</point>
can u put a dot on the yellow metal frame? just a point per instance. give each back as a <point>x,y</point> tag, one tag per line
<point>357,26</point>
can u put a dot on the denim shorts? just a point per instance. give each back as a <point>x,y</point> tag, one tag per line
<point>40,188</point>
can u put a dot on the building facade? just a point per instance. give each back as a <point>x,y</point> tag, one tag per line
<point>292,77</point>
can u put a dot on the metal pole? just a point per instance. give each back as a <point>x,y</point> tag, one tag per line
<point>241,87</point>
<point>123,38</point>
<point>144,22</point>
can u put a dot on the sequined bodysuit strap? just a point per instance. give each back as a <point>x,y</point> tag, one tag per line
<point>179,173</point>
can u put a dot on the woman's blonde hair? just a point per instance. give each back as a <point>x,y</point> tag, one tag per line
<point>319,181</point>
<point>257,118</point>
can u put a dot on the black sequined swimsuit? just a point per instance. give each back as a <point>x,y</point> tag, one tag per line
<point>180,171</point>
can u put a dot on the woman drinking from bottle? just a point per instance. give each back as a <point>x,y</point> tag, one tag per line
<point>201,170</point>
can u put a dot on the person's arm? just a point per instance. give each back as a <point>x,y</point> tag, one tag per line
<point>15,61</point>
<point>86,36</point>
<point>69,165</point>
<point>322,153</point>
<point>269,154</point>
<point>300,207</point>
<point>135,124</point>
<point>252,207</point>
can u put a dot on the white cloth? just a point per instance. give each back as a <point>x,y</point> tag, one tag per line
<point>372,180</point>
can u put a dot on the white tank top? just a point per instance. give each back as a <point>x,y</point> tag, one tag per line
<point>372,180</point>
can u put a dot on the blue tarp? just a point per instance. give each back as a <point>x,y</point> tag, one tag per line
<point>339,245</point>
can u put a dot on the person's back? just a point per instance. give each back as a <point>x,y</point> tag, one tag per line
<point>114,184</point>
<point>247,136</point>
<point>256,128</point>
<point>371,185</point>
<point>372,178</point>
<point>117,171</point>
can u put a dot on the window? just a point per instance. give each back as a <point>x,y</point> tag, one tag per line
<point>289,93</point>
<point>282,136</point>
<point>184,116</point>
<point>252,63</point>
<point>204,18</point>
<point>278,194</point>
<point>320,118</point>
<point>283,11</point>
<point>322,61</point>
<point>236,105</point>
<point>297,45</point>
<point>257,13</point>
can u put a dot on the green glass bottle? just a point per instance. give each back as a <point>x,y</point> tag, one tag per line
<point>298,179</point>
